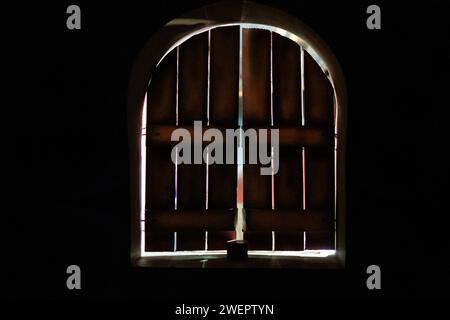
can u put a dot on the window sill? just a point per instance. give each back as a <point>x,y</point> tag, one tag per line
<point>253,261</point>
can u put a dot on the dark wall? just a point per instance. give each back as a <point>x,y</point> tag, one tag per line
<point>70,200</point>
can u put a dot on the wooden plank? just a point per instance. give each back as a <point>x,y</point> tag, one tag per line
<point>288,180</point>
<point>289,195</point>
<point>224,76</point>
<point>160,171</point>
<point>256,112</point>
<point>320,240</point>
<point>319,109</point>
<point>193,79</point>
<point>256,77</point>
<point>190,240</point>
<point>258,240</point>
<point>159,241</point>
<point>221,195</point>
<point>191,220</point>
<point>318,94</point>
<point>319,178</point>
<point>257,188</point>
<point>160,180</point>
<point>191,195</point>
<point>298,136</point>
<point>287,220</point>
<point>161,93</point>
<point>223,113</point>
<point>286,81</point>
<point>288,135</point>
<point>320,193</point>
<point>217,239</point>
<point>192,105</point>
<point>222,186</point>
<point>160,193</point>
<point>257,194</point>
<point>289,241</point>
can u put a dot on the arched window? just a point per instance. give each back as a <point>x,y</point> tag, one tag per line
<point>240,66</point>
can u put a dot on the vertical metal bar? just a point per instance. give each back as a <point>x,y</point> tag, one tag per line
<point>241,106</point>
<point>240,154</point>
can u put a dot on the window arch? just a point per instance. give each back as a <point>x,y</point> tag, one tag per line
<point>240,65</point>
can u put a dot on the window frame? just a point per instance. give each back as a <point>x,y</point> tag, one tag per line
<point>176,32</point>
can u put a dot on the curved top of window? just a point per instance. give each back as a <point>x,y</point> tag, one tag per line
<point>246,14</point>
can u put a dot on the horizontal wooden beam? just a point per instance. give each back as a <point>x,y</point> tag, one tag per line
<point>299,136</point>
<point>190,220</point>
<point>288,135</point>
<point>287,220</point>
<point>224,220</point>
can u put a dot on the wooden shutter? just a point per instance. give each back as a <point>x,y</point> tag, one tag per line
<point>303,190</point>
<point>256,114</point>
<point>192,106</point>
<point>223,112</point>
<point>319,112</point>
<point>205,67</point>
<point>287,112</point>
<point>199,80</point>
<point>160,171</point>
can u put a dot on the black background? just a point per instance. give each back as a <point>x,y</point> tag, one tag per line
<point>70,186</point>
